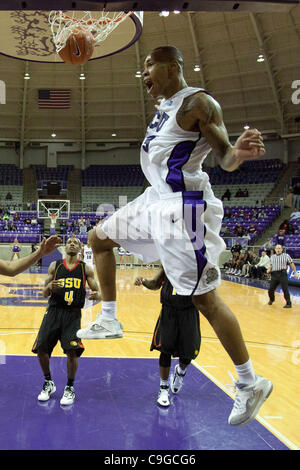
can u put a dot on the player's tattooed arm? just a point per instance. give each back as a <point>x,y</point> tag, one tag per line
<point>208,113</point>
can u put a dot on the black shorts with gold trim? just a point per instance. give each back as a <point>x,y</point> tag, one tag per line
<point>59,324</point>
<point>177,332</point>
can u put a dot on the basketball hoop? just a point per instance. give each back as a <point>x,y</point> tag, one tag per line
<point>62,25</point>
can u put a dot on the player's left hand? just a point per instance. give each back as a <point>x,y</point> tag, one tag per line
<point>249,145</point>
<point>48,245</point>
<point>95,295</point>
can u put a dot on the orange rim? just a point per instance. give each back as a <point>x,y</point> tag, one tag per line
<point>89,22</point>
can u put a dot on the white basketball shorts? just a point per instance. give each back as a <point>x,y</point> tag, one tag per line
<point>179,229</point>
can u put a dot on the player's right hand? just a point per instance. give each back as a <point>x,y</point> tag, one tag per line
<point>139,281</point>
<point>56,284</point>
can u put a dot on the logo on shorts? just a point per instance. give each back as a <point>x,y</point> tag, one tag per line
<point>73,343</point>
<point>211,275</point>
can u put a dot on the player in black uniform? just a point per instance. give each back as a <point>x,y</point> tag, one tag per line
<point>65,287</point>
<point>177,333</point>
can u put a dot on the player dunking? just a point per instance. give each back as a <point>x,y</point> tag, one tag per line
<point>178,218</point>
<point>65,287</point>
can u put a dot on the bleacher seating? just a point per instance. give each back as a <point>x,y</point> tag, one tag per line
<point>291,242</point>
<point>105,183</point>
<point>45,174</point>
<point>258,176</point>
<point>11,181</point>
<point>261,223</point>
<point>26,233</point>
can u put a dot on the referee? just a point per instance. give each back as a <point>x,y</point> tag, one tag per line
<point>279,263</point>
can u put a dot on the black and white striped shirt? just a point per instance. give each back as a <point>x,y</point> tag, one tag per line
<point>280,262</point>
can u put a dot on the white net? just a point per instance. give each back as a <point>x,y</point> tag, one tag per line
<point>100,24</point>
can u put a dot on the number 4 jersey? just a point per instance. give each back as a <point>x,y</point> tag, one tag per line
<point>72,293</point>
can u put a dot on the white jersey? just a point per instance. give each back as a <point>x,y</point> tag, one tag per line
<point>88,257</point>
<point>171,158</point>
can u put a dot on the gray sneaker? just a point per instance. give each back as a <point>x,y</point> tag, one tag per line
<point>101,329</point>
<point>248,401</point>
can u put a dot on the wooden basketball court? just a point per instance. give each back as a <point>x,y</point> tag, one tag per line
<point>271,334</point>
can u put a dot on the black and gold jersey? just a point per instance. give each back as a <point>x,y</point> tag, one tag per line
<point>72,293</point>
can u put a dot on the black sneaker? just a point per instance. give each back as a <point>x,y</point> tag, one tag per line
<point>288,306</point>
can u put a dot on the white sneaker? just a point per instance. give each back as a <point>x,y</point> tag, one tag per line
<point>47,390</point>
<point>248,400</point>
<point>163,397</point>
<point>68,396</point>
<point>101,329</point>
<point>177,381</point>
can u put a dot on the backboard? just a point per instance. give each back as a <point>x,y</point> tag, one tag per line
<point>26,35</point>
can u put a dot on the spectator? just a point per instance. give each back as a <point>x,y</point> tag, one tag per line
<point>245,193</point>
<point>296,197</point>
<point>253,262</point>
<point>236,248</point>
<point>82,228</point>
<point>16,217</point>
<point>284,225</point>
<point>239,193</point>
<point>239,230</point>
<point>227,214</point>
<point>5,226</point>
<point>280,237</point>
<point>262,214</point>
<point>226,195</point>
<point>262,266</point>
<point>252,229</point>
<point>12,227</point>
<point>8,196</point>
<point>27,221</point>
<point>290,229</point>
<point>242,260</point>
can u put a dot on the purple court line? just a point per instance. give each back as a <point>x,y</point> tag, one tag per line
<point>115,409</point>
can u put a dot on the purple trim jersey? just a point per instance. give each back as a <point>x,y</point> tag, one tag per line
<point>171,158</point>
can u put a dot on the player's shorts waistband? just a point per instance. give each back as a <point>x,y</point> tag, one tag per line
<point>182,194</point>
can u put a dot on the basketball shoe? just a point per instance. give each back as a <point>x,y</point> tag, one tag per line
<point>101,329</point>
<point>47,390</point>
<point>248,400</point>
<point>177,381</point>
<point>68,396</point>
<point>163,396</point>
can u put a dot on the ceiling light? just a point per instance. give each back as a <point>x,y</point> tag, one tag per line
<point>114,135</point>
<point>138,74</point>
<point>82,76</point>
<point>53,134</point>
<point>260,58</point>
<point>26,76</point>
<point>197,68</point>
<point>176,12</point>
<point>246,127</point>
<point>164,13</point>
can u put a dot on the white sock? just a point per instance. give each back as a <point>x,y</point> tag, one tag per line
<point>245,373</point>
<point>164,383</point>
<point>109,310</point>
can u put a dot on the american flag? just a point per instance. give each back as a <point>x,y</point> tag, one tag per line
<point>55,99</point>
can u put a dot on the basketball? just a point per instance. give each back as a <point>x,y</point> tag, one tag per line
<point>79,47</point>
